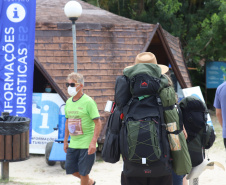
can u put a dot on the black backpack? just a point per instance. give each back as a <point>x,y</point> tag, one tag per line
<point>201,136</point>
<point>143,137</point>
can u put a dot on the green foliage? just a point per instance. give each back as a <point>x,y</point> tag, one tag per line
<point>206,41</point>
<point>169,7</point>
<point>200,24</point>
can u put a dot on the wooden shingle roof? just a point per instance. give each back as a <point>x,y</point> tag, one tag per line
<point>106,43</point>
<point>52,11</point>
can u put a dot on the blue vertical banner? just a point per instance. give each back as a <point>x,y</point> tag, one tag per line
<point>17,37</point>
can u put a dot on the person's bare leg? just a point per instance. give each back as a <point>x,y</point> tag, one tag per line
<point>76,174</point>
<point>185,182</point>
<point>85,180</point>
<point>91,181</point>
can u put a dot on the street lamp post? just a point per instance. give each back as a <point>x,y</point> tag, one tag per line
<point>73,10</point>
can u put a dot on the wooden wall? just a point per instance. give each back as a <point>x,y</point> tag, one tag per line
<point>102,53</point>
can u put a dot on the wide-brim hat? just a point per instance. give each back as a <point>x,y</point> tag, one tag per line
<point>148,57</point>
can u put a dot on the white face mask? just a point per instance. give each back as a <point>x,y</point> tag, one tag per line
<point>72,91</point>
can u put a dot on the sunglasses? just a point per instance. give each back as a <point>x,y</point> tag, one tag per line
<point>71,84</point>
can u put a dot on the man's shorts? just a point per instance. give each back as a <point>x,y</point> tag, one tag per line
<point>78,160</point>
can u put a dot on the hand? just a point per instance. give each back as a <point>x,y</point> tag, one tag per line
<point>185,133</point>
<point>92,148</point>
<point>65,147</point>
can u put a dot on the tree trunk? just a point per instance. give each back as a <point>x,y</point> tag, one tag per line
<point>119,7</point>
<point>140,6</point>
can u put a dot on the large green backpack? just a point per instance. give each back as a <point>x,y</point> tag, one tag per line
<point>144,142</point>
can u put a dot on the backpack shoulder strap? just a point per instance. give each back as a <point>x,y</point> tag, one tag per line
<point>171,107</point>
<point>204,135</point>
<point>163,124</point>
<point>126,108</point>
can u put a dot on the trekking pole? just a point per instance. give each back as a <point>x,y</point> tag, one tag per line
<point>194,181</point>
<point>193,176</point>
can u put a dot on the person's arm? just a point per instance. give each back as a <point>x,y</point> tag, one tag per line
<point>66,135</point>
<point>92,146</point>
<point>219,116</point>
<point>185,133</point>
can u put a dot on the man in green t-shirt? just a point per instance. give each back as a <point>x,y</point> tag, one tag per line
<point>83,125</point>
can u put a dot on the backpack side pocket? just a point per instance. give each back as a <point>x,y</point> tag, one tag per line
<point>111,150</point>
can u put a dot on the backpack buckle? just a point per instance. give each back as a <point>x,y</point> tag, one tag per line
<point>123,123</point>
<point>163,125</point>
<point>159,101</point>
<point>130,101</point>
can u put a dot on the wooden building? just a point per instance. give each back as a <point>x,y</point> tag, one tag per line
<point>106,43</point>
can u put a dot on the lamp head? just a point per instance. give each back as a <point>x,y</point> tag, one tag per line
<point>73,10</point>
